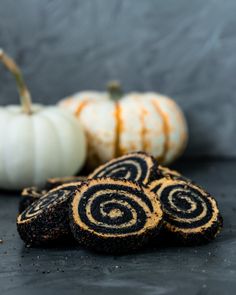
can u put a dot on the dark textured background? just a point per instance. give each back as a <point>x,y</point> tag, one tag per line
<point>185,49</point>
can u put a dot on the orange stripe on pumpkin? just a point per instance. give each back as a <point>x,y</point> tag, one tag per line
<point>118,128</point>
<point>166,130</point>
<point>81,107</point>
<point>144,130</point>
<point>183,133</point>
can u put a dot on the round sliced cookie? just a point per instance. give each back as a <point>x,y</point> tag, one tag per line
<point>191,215</point>
<point>28,196</point>
<point>32,194</point>
<point>56,181</point>
<point>138,166</point>
<point>114,215</point>
<point>46,220</point>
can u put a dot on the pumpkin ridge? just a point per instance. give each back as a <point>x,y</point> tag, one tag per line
<point>117,151</point>
<point>166,130</point>
<point>183,135</point>
<point>8,179</point>
<point>143,129</point>
<point>62,161</point>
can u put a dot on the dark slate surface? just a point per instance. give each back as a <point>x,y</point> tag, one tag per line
<point>209,269</point>
<point>184,48</point>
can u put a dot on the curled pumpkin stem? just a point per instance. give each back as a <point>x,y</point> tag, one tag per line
<point>24,93</point>
<point>114,90</point>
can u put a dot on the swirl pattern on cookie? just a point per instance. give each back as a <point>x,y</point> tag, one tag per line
<point>137,166</point>
<point>46,220</point>
<point>112,210</point>
<point>50,199</point>
<point>28,196</point>
<point>33,192</point>
<point>188,209</point>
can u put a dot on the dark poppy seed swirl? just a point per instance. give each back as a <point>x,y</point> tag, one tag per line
<point>46,220</point>
<point>138,167</point>
<point>32,194</point>
<point>114,215</point>
<point>191,215</point>
<point>28,196</point>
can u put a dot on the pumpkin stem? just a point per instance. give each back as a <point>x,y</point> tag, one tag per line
<point>25,96</point>
<point>114,90</point>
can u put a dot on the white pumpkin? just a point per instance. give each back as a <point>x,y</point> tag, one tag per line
<point>116,124</point>
<point>37,142</point>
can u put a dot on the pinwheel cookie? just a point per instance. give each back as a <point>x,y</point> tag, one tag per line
<point>46,220</point>
<point>114,215</point>
<point>191,215</point>
<point>28,196</point>
<point>138,166</point>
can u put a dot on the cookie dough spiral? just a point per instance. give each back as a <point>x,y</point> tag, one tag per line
<point>113,215</point>
<point>137,166</point>
<point>33,192</point>
<point>46,220</point>
<point>45,202</point>
<point>28,196</point>
<point>190,214</point>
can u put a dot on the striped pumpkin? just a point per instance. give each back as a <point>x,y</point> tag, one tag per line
<point>116,124</point>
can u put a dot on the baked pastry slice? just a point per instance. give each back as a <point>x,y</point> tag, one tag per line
<point>114,215</point>
<point>191,215</point>
<point>46,220</point>
<point>28,196</point>
<point>138,166</point>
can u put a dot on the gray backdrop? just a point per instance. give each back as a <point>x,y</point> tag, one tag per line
<point>185,49</point>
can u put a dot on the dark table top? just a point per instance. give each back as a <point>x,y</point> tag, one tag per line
<point>208,269</point>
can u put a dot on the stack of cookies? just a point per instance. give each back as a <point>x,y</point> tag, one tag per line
<point>121,207</point>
